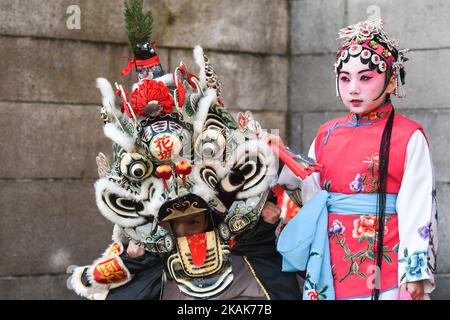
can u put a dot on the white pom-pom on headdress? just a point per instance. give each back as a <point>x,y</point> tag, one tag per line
<point>200,61</point>
<point>205,103</point>
<point>108,95</point>
<point>121,138</point>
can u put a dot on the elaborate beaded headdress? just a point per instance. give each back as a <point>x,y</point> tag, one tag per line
<point>369,40</point>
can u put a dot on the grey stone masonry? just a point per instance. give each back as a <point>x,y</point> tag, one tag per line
<point>249,82</point>
<point>258,26</point>
<point>50,141</point>
<point>48,225</point>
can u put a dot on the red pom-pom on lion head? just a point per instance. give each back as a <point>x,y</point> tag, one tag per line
<point>151,90</point>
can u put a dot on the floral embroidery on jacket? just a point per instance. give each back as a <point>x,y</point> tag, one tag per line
<point>415,266</point>
<point>366,226</point>
<point>327,185</point>
<point>374,115</point>
<point>367,181</point>
<point>336,228</point>
<point>356,185</point>
<point>313,292</point>
<point>424,232</point>
<point>365,230</point>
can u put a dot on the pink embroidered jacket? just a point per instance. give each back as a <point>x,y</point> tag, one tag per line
<point>348,149</point>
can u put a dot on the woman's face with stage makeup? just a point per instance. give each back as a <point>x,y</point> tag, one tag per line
<point>361,89</point>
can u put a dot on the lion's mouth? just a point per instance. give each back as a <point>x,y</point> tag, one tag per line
<point>198,245</point>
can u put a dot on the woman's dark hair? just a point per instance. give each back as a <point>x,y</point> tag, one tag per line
<point>385,147</point>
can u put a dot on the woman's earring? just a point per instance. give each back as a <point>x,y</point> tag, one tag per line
<point>396,87</point>
<point>337,86</point>
<point>399,89</point>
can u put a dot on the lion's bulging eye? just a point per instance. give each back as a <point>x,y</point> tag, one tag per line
<point>210,144</point>
<point>138,170</point>
<point>135,166</point>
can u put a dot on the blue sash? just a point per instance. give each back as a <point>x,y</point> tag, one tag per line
<point>359,204</point>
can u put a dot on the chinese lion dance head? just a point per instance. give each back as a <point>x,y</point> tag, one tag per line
<point>178,153</point>
<point>185,177</point>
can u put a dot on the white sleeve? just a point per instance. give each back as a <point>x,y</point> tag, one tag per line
<point>308,187</point>
<point>417,218</point>
<point>311,185</point>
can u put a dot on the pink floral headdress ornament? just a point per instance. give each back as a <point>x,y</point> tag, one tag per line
<point>369,40</point>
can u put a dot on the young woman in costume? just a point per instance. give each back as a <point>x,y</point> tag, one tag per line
<point>376,187</point>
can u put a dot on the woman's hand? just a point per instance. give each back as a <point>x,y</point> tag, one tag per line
<point>134,250</point>
<point>270,213</point>
<point>415,289</point>
<point>271,139</point>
